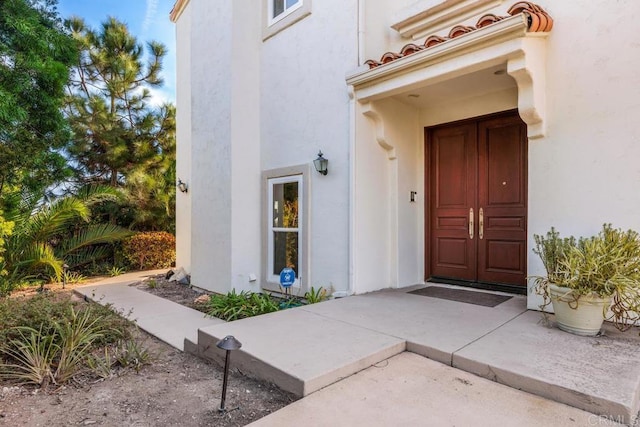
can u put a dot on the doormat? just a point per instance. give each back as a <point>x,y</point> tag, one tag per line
<point>469,297</point>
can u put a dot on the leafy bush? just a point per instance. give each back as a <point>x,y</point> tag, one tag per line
<point>70,277</point>
<point>49,339</point>
<point>234,306</point>
<point>116,271</point>
<point>6,228</point>
<point>314,296</point>
<point>150,250</point>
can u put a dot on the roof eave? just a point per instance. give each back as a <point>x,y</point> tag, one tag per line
<point>177,10</point>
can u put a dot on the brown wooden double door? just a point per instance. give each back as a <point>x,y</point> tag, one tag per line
<point>476,173</point>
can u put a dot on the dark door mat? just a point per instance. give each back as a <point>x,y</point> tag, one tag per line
<point>460,295</point>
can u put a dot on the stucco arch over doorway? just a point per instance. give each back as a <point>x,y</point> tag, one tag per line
<point>385,251</point>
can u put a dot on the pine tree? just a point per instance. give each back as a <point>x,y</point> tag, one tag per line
<point>119,137</point>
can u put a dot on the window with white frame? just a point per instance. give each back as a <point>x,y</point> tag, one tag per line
<point>278,9</point>
<point>284,240</point>
<point>281,14</point>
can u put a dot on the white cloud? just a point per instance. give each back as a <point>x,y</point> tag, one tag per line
<point>159,96</point>
<point>150,14</point>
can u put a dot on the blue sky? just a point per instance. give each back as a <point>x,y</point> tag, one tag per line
<point>147,20</point>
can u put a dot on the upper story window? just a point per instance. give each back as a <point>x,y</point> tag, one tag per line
<point>278,15</point>
<point>278,9</point>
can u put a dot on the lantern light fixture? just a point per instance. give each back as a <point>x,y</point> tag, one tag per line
<point>182,186</point>
<point>321,164</point>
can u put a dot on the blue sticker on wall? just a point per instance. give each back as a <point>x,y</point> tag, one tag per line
<point>287,277</point>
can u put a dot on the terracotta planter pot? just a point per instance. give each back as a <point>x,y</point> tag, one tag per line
<point>583,316</point>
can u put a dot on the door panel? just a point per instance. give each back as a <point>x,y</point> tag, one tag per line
<point>453,166</point>
<point>502,195</point>
<point>478,166</point>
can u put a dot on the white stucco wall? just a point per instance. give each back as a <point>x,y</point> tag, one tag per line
<point>402,131</point>
<point>305,108</point>
<point>219,151</point>
<point>256,106</point>
<point>245,147</point>
<point>585,171</point>
<point>183,136</point>
<point>211,83</point>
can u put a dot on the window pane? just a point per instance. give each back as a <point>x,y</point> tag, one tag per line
<point>278,7</point>
<point>285,205</point>
<point>285,251</point>
<point>291,3</point>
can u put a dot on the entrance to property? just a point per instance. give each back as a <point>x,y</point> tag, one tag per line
<point>476,212</point>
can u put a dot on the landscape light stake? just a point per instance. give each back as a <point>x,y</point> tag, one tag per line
<point>228,343</point>
<point>65,267</point>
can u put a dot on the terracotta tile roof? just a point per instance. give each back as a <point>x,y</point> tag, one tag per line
<point>538,20</point>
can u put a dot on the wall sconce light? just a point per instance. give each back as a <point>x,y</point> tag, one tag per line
<point>228,343</point>
<point>182,186</point>
<point>321,164</point>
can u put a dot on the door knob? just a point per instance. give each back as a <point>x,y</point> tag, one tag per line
<point>481,225</point>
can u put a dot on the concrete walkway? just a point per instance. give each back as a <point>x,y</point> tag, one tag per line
<point>315,351</point>
<point>410,390</point>
<point>305,349</point>
<point>166,320</point>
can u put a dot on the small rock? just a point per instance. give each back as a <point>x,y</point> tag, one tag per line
<point>89,422</point>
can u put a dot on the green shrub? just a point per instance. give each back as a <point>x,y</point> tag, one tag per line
<point>6,228</point>
<point>234,306</point>
<point>314,296</point>
<point>150,250</point>
<point>50,339</point>
<point>116,271</point>
<point>44,311</point>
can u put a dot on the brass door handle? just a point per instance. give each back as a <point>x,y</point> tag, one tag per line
<point>481,229</point>
<point>471,223</point>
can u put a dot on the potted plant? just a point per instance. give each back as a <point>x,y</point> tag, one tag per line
<point>591,279</point>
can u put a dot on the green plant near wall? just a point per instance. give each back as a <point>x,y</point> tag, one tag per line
<point>314,296</point>
<point>552,250</point>
<point>607,265</point>
<point>234,306</point>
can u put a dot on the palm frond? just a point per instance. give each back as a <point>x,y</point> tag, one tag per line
<point>38,256</point>
<point>53,219</point>
<point>96,193</point>
<point>92,235</point>
<point>87,255</point>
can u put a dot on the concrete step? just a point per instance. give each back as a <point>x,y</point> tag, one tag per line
<point>598,374</point>
<point>299,351</point>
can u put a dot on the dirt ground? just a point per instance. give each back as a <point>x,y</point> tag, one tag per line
<point>173,291</point>
<point>176,389</point>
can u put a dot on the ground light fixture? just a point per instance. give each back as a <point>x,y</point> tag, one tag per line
<point>321,164</point>
<point>65,268</point>
<point>182,186</point>
<point>228,343</point>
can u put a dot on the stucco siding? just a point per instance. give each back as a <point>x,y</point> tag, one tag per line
<point>256,105</point>
<point>211,82</point>
<point>183,136</point>
<point>305,108</point>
